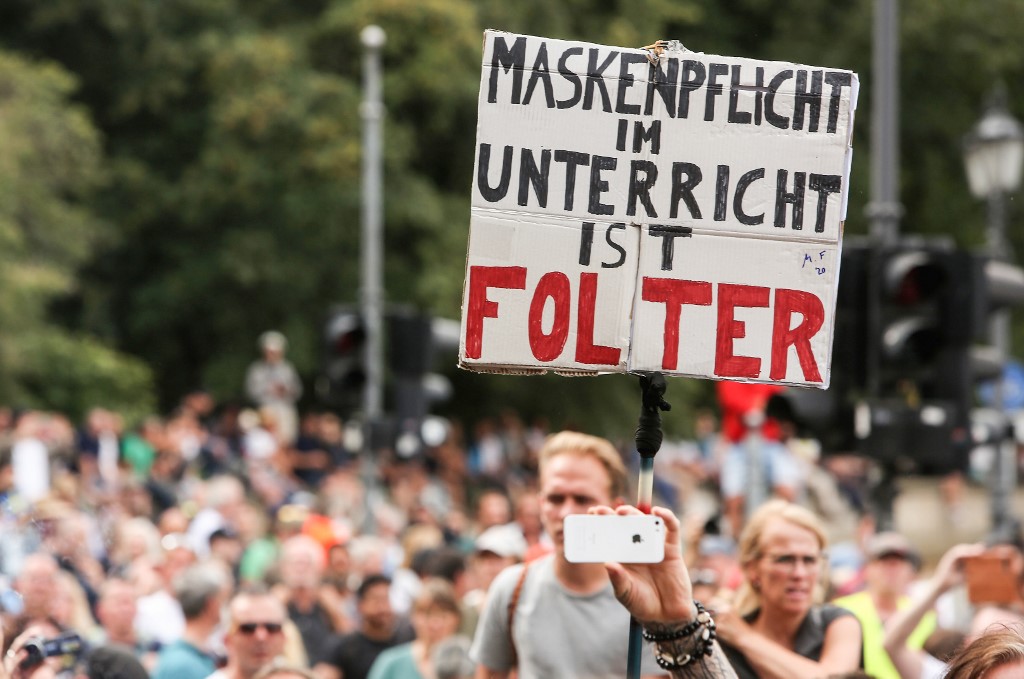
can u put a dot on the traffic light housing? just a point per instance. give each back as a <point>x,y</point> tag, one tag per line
<point>911,341</point>
<point>343,376</point>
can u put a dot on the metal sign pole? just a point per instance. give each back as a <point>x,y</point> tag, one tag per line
<point>648,442</point>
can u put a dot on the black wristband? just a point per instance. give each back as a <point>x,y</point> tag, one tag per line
<point>703,646</point>
<point>703,617</point>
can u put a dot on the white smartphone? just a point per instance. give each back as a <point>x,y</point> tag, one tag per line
<point>598,538</point>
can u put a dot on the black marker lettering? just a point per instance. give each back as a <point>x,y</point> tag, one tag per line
<point>513,59</point>
<point>482,166</point>
<point>567,73</point>
<point>641,188</point>
<point>838,81</point>
<point>683,189</point>
<point>721,192</point>
<point>541,71</point>
<point>571,159</point>
<point>668,235</point>
<point>626,81</point>
<point>759,96</point>
<point>735,115</point>
<point>586,243</point>
<point>745,181</point>
<point>714,89</point>
<point>599,186</point>
<point>693,77</point>
<point>824,184</point>
<point>622,251</point>
<point>665,83</point>
<point>620,137</point>
<point>530,173</point>
<point>773,118</point>
<point>651,134</point>
<point>805,98</point>
<point>796,198</point>
<point>595,77</point>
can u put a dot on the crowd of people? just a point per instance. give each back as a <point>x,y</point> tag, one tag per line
<point>243,542</point>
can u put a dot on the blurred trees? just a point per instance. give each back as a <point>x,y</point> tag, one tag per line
<point>50,167</point>
<point>217,142</point>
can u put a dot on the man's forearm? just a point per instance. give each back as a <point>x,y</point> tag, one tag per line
<point>714,666</point>
<point>699,666</point>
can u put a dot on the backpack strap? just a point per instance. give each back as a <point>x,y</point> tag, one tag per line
<point>512,611</point>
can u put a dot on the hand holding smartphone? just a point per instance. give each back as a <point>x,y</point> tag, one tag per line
<point>599,538</point>
<point>991,579</point>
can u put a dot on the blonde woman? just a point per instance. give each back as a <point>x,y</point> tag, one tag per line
<point>777,627</point>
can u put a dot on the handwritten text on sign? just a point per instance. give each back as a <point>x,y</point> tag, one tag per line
<point>678,212</point>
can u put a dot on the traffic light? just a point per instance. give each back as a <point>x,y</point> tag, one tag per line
<point>344,360</point>
<point>923,320</point>
<point>998,285</point>
<point>920,377</point>
<point>414,339</point>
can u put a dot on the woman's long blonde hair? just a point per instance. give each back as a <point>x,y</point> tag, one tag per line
<point>747,598</point>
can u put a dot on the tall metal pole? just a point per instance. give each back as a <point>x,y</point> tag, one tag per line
<point>884,211</point>
<point>371,292</point>
<point>1004,481</point>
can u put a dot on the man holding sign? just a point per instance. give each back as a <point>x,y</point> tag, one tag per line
<point>553,618</point>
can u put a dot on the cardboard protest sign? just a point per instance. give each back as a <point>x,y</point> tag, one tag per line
<point>655,210</point>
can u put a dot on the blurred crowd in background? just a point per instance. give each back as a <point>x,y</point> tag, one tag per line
<point>160,537</point>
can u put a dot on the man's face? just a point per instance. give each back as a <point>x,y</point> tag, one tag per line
<point>37,583</point>
<point>487,565</point>
<point>493,511</point>
<point>299,568</point>
<point>256,634</point>
<point>571,484</point>
<point>375,608</point>
<point>117,609</point>
<point>889,574</point>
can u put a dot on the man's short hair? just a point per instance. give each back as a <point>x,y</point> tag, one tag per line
<point>369,582</point>
<point>446,563</point>
<point>110,662</point>
<point>253,590</point>
<point>196,586</point>
<point>575,443</point>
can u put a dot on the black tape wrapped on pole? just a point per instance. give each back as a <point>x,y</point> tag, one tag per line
<point>648,440</point>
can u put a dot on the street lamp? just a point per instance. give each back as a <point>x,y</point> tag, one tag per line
<point>993,155</point>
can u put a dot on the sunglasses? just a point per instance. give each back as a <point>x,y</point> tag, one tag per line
<point>251,627</point>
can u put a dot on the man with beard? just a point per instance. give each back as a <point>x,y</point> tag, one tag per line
<point>379,629</point>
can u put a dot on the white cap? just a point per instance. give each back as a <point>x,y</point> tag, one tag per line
<point>273,340</point>
<point>506,541</point>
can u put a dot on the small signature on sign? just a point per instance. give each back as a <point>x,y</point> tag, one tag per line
<point>815,261</point>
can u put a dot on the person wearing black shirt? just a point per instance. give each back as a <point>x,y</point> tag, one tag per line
<point>379,629</point>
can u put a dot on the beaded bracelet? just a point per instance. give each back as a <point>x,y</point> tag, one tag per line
<point>704,645</point>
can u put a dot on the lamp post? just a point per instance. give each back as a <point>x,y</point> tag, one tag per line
<point>371,293</point>
<point>993,155</point>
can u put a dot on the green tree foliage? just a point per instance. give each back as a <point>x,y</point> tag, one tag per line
<point>50,163</point>
<point>231,133</point>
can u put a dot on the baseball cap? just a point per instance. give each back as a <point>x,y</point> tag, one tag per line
<point>273,340</point>
<point>889,543</point>
<point>505,541</point>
